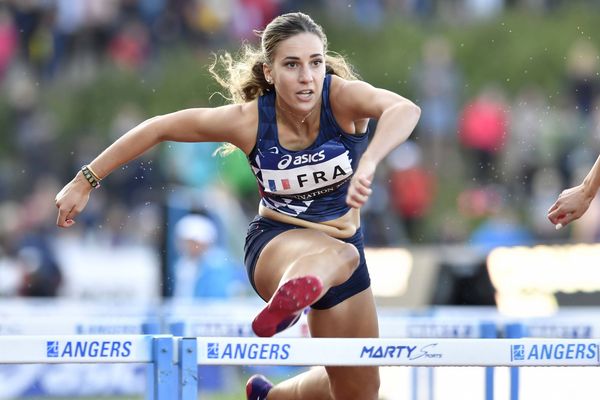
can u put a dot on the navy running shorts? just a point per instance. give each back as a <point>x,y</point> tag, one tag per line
<point>262,230</point>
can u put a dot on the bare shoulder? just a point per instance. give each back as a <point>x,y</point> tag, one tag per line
<point>342,98</point>
<point>358,99</point>
<point>233,123</point>
<point>341,87</point>
<point>241,121</point>
<point>249,120</point>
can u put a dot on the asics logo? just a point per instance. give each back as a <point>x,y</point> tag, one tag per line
<point>287,159</point>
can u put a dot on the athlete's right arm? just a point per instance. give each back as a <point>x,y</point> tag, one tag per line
<point>234,124</point>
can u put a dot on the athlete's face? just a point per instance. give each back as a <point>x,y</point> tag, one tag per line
<point>297,71</point>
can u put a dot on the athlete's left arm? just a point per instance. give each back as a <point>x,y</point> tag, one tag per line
<point>396,115</point>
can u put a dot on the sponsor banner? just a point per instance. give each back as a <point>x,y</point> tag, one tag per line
<point>321,351</point>
<point>82,348</point>
<point>429,328</point>
<point>562,329</point>
<point>76,349</point>
<point>63,325</point>
<point>233,327</point>
<point>406,352</point>
<point>561,352</point>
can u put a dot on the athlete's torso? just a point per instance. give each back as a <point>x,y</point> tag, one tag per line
<point>309,184</point>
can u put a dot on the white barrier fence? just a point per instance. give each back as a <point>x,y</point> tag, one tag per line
<point>465,348</point>
<point>175,374</point>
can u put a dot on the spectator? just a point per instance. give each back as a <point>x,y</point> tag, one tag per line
<point>438,89</point>
<point>41,275</point>
<point>204,269</point>
<point>483,132</point>
<point>411,186</point>
<point>583,82</point>
<point>8,41</point>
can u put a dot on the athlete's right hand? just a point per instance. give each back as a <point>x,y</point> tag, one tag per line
<point>71,200</point>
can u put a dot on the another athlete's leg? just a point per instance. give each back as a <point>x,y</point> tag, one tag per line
<point>294,271</point>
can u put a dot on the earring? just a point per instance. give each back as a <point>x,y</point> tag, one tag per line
<point>269,81</point>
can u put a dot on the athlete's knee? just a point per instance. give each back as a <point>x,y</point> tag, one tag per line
<point>348,256</point>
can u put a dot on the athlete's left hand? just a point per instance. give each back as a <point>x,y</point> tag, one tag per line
<point>360,185</point>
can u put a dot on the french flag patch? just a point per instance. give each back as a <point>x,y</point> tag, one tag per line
<point>283,185</point>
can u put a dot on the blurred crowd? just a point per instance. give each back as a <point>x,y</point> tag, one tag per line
<point>495,161</point>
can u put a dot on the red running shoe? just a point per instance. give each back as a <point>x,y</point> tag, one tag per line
<point>258,387</point>
<point>286,305</point>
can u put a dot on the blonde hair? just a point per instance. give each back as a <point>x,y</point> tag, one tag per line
<point>243,77</point>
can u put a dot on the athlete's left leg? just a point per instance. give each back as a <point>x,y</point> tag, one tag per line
<point>354,317</point>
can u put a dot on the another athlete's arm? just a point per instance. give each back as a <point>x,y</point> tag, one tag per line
<point>572,203</point>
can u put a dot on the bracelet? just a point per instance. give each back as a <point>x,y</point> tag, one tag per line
<point>90,176</point>
<point>94,173</point>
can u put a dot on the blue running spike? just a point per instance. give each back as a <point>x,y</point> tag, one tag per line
<point>258,387</point>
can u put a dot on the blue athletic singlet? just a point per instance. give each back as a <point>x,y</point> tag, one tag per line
<point>310,184</point>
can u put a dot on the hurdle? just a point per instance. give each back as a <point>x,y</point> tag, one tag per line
<point>409,326</point>
<point>180,376</point>
<point>524,352</point>
<point>81,325</point>
<point>390,327</point>
<point>175,360</point>
<point>154,350</point>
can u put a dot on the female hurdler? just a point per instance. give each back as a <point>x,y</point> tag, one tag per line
<point>301,117</point>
